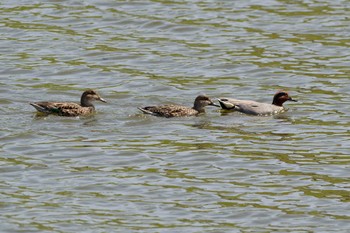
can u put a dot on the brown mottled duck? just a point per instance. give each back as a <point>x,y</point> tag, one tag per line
<point>179,111</point>
<point>70,109</point>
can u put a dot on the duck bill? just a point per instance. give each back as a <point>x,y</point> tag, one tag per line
<point>102,100</point>
<point>290,99</point>
<point>213,104</point>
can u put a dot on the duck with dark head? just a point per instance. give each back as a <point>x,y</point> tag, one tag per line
<point>257,108</point>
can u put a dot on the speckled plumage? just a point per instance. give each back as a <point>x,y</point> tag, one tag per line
<point>70,109</point>
<point>256,108</point>
<point>177,110</point>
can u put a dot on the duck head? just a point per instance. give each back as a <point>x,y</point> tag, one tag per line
<point>201,101</point>
<point>88,96</point>
<point>281,97</point>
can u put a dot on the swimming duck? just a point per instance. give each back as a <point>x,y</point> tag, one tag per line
<point>70,109</point>
<point>256,108</point>
<point>179,111</point>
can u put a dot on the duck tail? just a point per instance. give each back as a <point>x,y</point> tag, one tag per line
<point>40,107</point>
<point>225,104</point>
<point>144,110</point>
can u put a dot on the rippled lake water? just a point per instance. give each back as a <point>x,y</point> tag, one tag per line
<point>122,171</point>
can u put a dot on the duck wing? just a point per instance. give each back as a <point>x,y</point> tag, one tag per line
<point>231,104</point>
<point>62,108</point>
<point>261,109</point>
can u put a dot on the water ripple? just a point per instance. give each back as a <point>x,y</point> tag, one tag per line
<point>123,171</point>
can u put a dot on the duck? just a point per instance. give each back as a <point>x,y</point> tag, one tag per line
<point>70,109</point>
<point>256,108</point>
<point>171,110</point>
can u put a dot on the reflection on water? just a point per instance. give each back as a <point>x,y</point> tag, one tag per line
<point>218,172</point>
